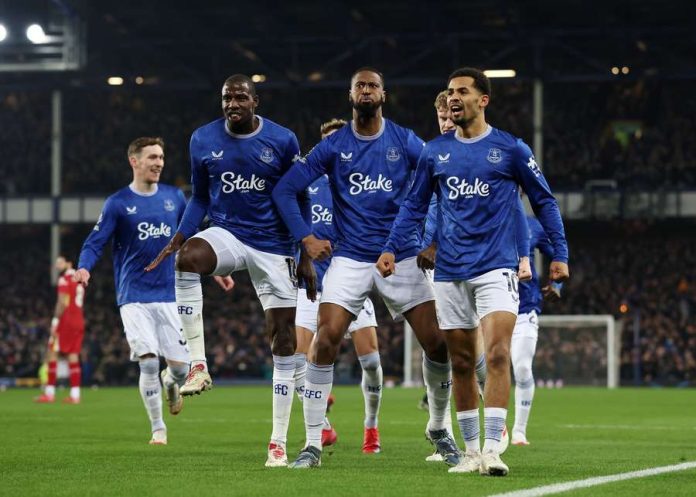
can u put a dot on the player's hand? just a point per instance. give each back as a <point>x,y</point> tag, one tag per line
<point>307,276</point>
<point>551,293</point>
<point>386,264</point>
<point>81,276</point>
<point>317,249</point>
<point>524,273</point>
<point>426,257</point>
<point>558,271</point>
<point>174,244</point>
<point>225,282</point>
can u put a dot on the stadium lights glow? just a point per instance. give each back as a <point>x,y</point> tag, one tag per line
<point>36,34</point>
<point>316,76</point>
<point>624,70</point>
<point>139,80</point>
<point>258,78</point>
<point>500,73</point>
<point>615,70</point>
<point>115,80</point>
<point>3,32</point>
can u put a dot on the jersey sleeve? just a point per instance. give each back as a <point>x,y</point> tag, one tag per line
<point>294,183</point>
<point>523,233</point>
<point>414,148</point>
<point>430,231</point>
<point>181,201</point>
<point>198,203</point>
<point>539,239</point>
<point>414,208</point>
<point>528,174</point>
<point>99,236</point>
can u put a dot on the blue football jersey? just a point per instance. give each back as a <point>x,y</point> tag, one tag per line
<point>476,181</point>
<point>232,178</point>
<point>531,298</point>
<point>140,226</point>
<point>369,178</point>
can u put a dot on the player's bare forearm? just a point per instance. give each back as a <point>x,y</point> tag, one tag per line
<point>386,264</point>
<point>524,273</point>
<point>174,244</point>
<point>426,257</point>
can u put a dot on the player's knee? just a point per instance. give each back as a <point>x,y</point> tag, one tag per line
<point>281,329</point>
<point>498,356</point>
<point>522,370</point>
<point>463,362</point>
<point>327,341</point>
<point>370,362</point>
<point>149,364</point>
<point>196,256</point>
<point>436,350</point>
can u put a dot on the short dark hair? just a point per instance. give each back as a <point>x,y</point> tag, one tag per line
<point>241,79</point>
<point>138,144</point>
<point>481,81</point>
<point>368,69</point>
<point>331,125</point>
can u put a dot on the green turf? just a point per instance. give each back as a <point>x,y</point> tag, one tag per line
<point>217,446</point>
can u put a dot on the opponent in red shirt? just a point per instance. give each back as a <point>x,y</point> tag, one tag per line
<point>67,332</point>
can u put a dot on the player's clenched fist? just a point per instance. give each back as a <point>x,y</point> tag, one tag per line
<point>386,264</point>
<point>317,249</point>
<point>524,273</point>
<point>81,276</point>
<point>558,271</point>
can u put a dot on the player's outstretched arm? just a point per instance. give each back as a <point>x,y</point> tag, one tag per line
<point>524,272</point>
<point>307,275</point>
<point>426,257</point>
<point>82,276</point>
<point>174,244</point>
<point>386,264</point>
<point>225,282</point>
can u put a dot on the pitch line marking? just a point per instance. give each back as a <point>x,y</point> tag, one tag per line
<point>591,482</point>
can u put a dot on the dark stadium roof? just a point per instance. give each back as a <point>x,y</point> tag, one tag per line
<point>196,43</point>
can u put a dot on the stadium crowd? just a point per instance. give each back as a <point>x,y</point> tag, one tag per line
<point>629,273</point>
<point>633,132</point>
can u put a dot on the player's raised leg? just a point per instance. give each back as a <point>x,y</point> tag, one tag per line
<point>195,257</point>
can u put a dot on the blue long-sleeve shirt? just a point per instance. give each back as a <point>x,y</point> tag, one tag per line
<point>369,178</point>
<point>140,226</point>
<point>476,181</point>
<point>232,178</point>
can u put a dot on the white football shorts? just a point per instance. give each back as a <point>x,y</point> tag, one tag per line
<point>272,275</point>
<point>348,283</point>
<point>462,304</point>
<point>527,326</point>
<point>307,311</point>
<point>154,328</point>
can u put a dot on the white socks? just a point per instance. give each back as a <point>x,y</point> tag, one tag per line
<point>316,394</point>
<point>283,393</point>
<point>151,392</point>
<point>371,387</point>
<point>494,420</point>
<point>438,383</point>
<point>300,374</point>
<point>471,431</point>
<point>189,300</point>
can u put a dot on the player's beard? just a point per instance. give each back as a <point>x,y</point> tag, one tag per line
<point>366,110</point>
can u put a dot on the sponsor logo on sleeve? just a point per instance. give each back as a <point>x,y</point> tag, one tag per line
<point>531,164</point>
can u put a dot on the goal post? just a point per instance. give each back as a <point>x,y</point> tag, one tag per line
<point>597,328</point>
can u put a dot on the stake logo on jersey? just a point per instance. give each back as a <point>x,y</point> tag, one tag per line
<point>459,187</point>
<point>477,203</point>
<point>140,226</point>
<point>233,184</point>
<point>369,176</point>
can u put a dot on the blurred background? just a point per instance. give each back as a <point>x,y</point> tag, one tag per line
<point>603,91</point>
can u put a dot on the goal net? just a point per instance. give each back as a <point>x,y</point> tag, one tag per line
<point>571,350</point>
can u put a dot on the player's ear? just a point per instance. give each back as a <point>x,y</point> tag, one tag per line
<point>132,160</point>
<point>256,101</point>
<point>484,100</point>
<point>384,96</point>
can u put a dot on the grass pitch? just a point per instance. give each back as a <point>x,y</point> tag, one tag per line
<point>217,446</point>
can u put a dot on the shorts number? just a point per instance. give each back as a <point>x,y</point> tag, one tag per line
<point>292,270</point>
<point>513,287</point>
